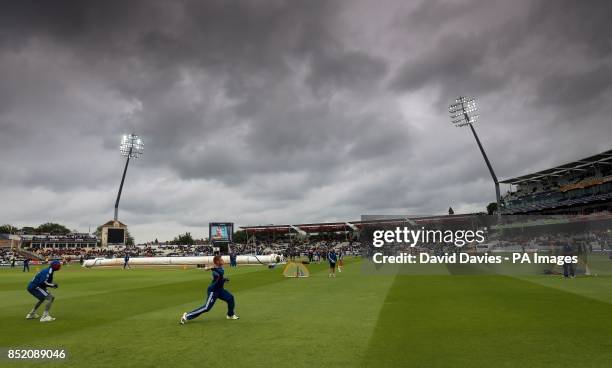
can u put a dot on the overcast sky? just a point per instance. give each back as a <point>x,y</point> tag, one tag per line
<point>261,112</point>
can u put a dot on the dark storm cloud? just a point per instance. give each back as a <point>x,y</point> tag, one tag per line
<point>454,63</point>
<point>288,111</point>
<point>575,89</point>
<point>473,55</point>
<point>353,69</point>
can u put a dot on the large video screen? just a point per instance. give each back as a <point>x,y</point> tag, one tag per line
<point>116,236</point>
<point>221,231</point>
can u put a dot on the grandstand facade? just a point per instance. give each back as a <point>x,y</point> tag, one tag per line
<point>347,230</point>
<point>70,241</point>
<point>9,241</point>
<point>576,188</point>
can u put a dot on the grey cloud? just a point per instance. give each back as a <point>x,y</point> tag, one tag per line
<point>454,62</point>
<point>535,47</point>
<point>286,111</point>
<point>579,88</point>
<point>349,69</point>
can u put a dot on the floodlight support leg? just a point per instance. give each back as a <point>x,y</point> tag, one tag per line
<point>127,162</point>
<point>497,194</point>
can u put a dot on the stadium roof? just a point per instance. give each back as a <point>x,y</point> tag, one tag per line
<point>604,158</point>
<point>352,225</point>
<point>112,223</point>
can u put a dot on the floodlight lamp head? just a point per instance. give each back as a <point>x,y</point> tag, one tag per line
<point>131,146</point>
<point>463,111</point>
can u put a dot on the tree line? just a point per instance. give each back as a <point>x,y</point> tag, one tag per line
<point>46,228</point>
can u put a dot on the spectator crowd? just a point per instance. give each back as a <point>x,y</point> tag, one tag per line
<point>314,251</point>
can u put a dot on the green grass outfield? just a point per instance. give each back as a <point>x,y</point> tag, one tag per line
<point>109,317</point>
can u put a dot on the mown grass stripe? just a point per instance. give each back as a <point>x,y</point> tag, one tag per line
<point>484,321</point>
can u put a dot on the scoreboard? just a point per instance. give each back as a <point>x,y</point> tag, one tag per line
<point>220,235</point>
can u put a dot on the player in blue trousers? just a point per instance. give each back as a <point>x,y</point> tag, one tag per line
<point>215,291</point>
<point>333,259</point>
<point>38,288</point>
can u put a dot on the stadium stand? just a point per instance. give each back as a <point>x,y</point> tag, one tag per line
<point>6,255</point>
<point>318,249</point>
<point>580,187</point>
<point>60,242</point>
<point>9,240</point>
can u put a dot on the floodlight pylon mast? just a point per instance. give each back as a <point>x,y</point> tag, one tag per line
<point>131,147</point>
<point>484,154</point>
<point>127,162</point>
<point>463,112</point>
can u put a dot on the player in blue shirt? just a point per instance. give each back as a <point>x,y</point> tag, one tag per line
<point>215,291</point>
<point>26,265</point>
<point>38,287</point>
<point>126,259</point>
<point>233,259</point>
<point>333,259</point>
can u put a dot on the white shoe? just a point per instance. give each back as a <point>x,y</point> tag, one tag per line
<point>233,317</point>
<point>47,318</point>
<point>183,319</point>
<point>32,316</point>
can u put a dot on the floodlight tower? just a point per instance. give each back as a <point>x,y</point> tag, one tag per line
<point>131,147</point>
<point>462,113</point>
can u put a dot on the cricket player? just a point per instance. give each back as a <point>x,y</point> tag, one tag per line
<point>126,259</point>
<point>215,291</point>
<point>233,259</point>
<point>38,287</point>
<point>26,265</point>
<point>568,267</point>
<point>333,259</point>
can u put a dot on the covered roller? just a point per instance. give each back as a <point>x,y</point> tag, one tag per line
<point>164,261</point>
